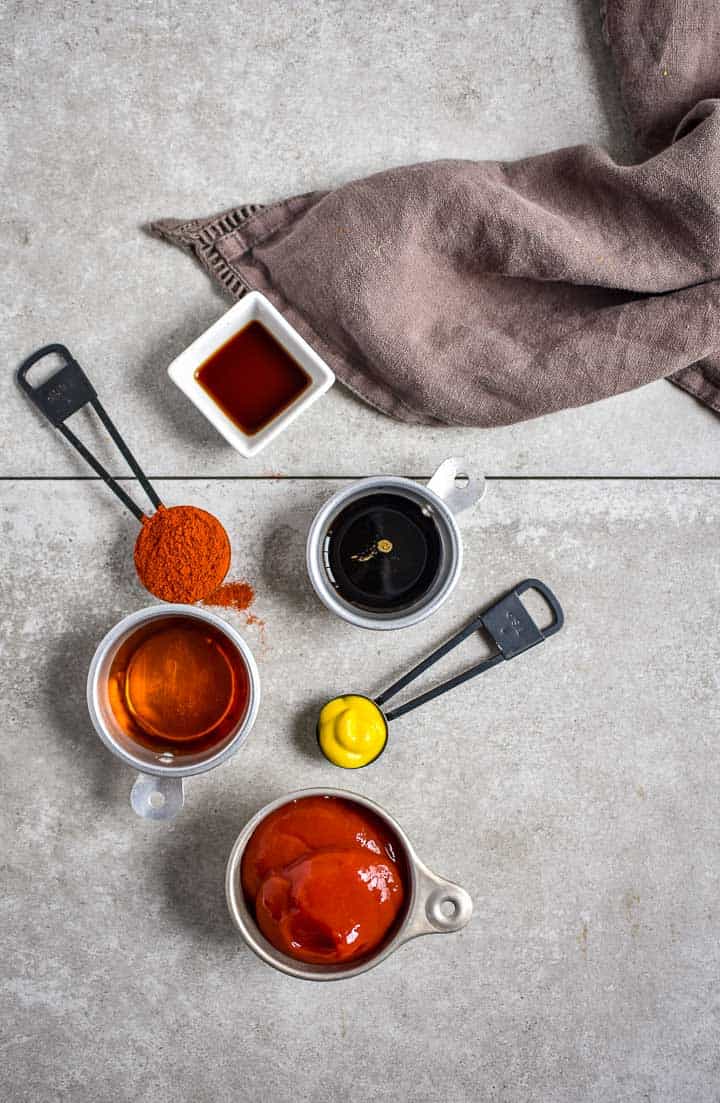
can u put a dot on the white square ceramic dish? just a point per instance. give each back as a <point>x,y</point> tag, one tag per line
<point>253,307</point>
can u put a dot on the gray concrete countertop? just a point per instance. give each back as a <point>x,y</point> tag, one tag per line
<point>573,793</point>
<point>112,115</point>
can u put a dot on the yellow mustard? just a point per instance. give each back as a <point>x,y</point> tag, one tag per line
<point>352,731</point>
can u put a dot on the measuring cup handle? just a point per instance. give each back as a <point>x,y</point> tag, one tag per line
<point>456,498</point>
<point>441,906</point>
<point>157,798</point>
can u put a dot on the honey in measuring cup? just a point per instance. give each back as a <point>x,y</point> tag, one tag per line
<point>178,687</point>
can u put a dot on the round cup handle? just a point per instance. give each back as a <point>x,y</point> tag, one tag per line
<point>441,906</point>
<point>456,498</point>
<point>448,908</point>
<point>157,798</point>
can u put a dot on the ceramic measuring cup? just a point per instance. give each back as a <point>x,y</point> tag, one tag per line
<point>158,792</point>
<point>433,905</point>
<point>437,506</point>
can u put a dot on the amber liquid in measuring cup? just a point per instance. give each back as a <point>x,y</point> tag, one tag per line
<point>252,378</point>
<point>178,687</point>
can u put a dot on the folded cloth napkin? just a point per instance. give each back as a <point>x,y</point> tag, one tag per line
<point>484,293</point>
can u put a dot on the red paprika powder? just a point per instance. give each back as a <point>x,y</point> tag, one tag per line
<point>232,595</point>
<point>182,554</point>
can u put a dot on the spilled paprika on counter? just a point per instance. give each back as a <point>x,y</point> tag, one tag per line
<point>325,879</point>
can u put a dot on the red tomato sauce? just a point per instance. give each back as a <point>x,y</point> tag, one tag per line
<point>325,879</point>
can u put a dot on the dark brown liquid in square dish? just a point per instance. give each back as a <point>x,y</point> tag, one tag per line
<point>252,378</point>
<point>384,552</point>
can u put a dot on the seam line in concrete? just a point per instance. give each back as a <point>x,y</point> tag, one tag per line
<point>346,478</point>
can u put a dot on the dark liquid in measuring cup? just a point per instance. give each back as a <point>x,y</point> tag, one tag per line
<point>252,378</point>
<point>384,552</point>
<point>177,686</point>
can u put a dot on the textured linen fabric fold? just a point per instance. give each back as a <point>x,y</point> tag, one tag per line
<point>484,293</point>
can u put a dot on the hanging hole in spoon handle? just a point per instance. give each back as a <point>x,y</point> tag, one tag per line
<point>61,396</point>
<point>441,907</point>
<point>157,798</point>
<point>445,484</point>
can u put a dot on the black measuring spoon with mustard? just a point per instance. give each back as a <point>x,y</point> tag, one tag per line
<point>352,730</point>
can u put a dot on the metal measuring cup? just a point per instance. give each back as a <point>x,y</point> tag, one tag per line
<point>433,906</point>
<point>441,499</point>
<point>158,792</point>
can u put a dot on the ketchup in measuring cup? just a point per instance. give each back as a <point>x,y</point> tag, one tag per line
<point>325,880</point>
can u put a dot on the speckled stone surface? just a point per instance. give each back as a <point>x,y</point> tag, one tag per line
<point>114,114</point>
<point>574,793</point>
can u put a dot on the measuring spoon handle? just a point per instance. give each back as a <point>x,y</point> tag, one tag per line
<point>509,625</point>
<point>61,396</point>
<point>444,687</point>
<point>430,660</point>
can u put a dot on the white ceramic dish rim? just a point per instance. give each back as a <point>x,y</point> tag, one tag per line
<point>254,306</point>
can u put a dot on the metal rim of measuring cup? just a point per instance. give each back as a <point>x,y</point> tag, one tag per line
<point>109,645</point>
<point>317,571</point>
<point>424,914</point>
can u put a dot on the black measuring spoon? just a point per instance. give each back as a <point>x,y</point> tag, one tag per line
<point>66,392</point>
<point>61,396</point>
<point>352,730</point>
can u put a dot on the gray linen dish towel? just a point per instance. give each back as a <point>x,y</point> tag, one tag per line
<point>484,293</point>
